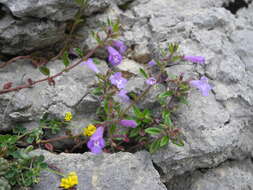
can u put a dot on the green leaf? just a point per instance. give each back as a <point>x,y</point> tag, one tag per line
<point>81,2</point>
<point>97,91</point>
<point>143,73</point>
<point>43,165</point>
<point>79,52</point>
<point>178,142</point>
<point>44,70</point>
<point>183,100</point>
<point>30,140</point>
<point>112,129</point>
<point>176,58</point>
<point>154,146</point>
<point>106,106</point>
<point>165,94</point>
<point>153,131</point>
<point>116,26</point>
<point>109,22</point>
<point>134,132</point>
<point>138,112</point>
<point>166,118</point>
<point>29,148</point>
<point>96,61</point>
<point>164,141</point>
<point>78,21</point>
<point>173,48</point>
<point>40,158</point>
<point>65,59</point>
<point>8,139</point>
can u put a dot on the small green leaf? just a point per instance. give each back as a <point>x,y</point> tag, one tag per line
<point>81,2</point>
<point>106,106</point>
<point>183,100</point>
<point>165,94</point>
<point>29,148</point>
<point>43,165</point>
<point>116,26</point>
<point>134,132</point>
<point>112,129</point>
<point>178,142</point>
<point>97,91</point>
<point>78,21</point>
<point>143,73</point>
<point>109,22</point>
<point>96,61</point>
<point>44,70</point>
<point>164,141</point>
<point>153,131</point>
<point>173,48</point>
<point>40,158</point>
<point>79,52</point>
<point>154,146</point>
<point>176,58</point>
<point>138,112</point>
<point>30,140</point>
<point>65,59</point>
<point>166,118</point>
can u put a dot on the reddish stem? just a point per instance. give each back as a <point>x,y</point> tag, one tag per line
<point>90,53</point>
<point>14,59</point>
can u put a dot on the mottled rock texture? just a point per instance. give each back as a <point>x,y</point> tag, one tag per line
<point>216,128</point>
<point>123,171</point>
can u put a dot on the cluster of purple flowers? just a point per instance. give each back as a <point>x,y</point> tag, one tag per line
<point>202,84</point>
<point>96,142</point>
<point>91,65</point>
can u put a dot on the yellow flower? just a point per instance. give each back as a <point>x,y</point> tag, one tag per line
<point>89,130</point>
<point>68,116</point>
<point>70,181</point>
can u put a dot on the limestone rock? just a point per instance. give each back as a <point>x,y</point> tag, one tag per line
<point>230,175</point>
<point>69,94</point>
<point>107,171</point>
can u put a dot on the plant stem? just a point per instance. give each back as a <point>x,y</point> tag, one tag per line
<point>58,139</point>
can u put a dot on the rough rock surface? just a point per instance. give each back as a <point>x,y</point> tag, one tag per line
<point>216,128</point>
<point>69,94</point>
<point>231,175</point>
<point>31,25</point>
<point>123,171</point>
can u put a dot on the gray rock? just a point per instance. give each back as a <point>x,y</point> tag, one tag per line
<point>247,13</point>
<point>69,94</point>
<point>51,9</point>
<point>123,2</point>
<point>107,171</point>
<point>32,25</point>
<point>19,36</point>
<point>213,127</point>
<point>56,10</point>
<point>230,175</point>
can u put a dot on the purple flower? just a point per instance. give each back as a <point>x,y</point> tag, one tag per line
<point>114,56</point>
<point>123,96</point>
<point>117,80</point>
<point>151,81</point>
<point>152,63</point>
<point>96,142</point>
<point>128,123</point>
<point>120,46</point>
<point>91,65</point>
<point>195,59</point>
<point>202,85</point>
